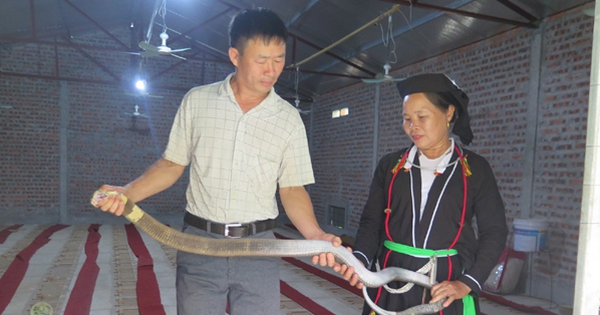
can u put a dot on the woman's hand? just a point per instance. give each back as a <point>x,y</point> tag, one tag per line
<point>453,290</point>
<point>347,273</point>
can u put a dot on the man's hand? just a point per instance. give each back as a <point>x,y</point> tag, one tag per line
<point>160,176</point>
<point>453,290</point>
<point>113,203</point>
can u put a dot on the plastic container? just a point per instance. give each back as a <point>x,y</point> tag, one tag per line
<point>505,276</point>
<point>530,235</point>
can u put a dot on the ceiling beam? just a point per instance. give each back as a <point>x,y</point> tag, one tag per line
<point>330,74</point>
<point>518,10</point>
<point>96,62</point>
<point>81,80</point>
<point>15,40</point>
<point>56,61</point>
<point>32,17</point>
<point>96,24</point>
<point>179,63</point>
<point>360,29</point>
<point>464,13</point>
<point>329,53</point>
<point>184,34</point>
<point>56,78</point>
<point>309,6</point>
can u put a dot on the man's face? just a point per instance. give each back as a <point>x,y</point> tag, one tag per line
<point>259,65</point>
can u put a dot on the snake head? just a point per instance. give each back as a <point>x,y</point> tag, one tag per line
<point>100,195</point>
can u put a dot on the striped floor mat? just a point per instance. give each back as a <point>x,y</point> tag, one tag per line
<point>114,269</point>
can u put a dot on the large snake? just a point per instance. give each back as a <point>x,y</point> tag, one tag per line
<point>236,247</point>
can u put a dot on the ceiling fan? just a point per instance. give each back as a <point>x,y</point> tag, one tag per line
<point>301,111</point>
<point>383,77</point>
<point>143,94</point>
<point>162,50</point>
<point>387,39</point>
<point>136,113</point>
<point>297,100</point>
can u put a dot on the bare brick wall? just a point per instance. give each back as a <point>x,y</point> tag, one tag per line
<point>342,150</point>
<point>29,147</point>
<point>560,142</point>
<point>103,144</point>
<point>496,74</point>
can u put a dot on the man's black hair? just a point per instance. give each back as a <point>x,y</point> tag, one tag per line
<point>259,23</point>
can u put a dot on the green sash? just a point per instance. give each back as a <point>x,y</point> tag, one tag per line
<point>468,301</point>
<point>418,252</point>
<point>469,305</point>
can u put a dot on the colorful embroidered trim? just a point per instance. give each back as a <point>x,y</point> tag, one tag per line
<point>465,165</point>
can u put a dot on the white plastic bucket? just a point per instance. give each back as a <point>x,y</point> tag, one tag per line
<point>530,235</point>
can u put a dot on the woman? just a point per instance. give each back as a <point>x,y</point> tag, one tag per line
<point>422,202</point>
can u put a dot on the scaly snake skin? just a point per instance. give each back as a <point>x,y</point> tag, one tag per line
<point>237,247</point>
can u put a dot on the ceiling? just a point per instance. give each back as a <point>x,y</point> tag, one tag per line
<point>333,43</point>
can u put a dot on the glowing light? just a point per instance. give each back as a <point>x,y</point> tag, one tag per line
<point>140,85</point>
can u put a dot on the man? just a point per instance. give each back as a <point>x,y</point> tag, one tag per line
<point>241,141</point>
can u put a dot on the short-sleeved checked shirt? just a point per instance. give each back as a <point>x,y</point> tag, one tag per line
<point>237,160</point>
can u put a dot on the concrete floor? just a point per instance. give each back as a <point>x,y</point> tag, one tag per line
<point>53,270</point>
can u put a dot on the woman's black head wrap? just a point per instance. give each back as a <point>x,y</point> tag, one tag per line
<point>440,83</point>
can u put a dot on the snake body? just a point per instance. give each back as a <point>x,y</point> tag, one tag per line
<point>245,247</point>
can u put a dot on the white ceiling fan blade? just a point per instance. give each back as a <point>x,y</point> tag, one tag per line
<point>372,80</point>
<point>180,50</point>
<point>142,94</point>
<point>148,95</point>
<point>132,52</point>
<point>146,46</point>
<point>135,94</point>
<point>378,78</point>
<point>137,115</point>
<point>149,53</point>
<point>177,56</point>
<point>385,78</point>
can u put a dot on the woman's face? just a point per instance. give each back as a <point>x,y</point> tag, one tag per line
<point>426,124</point>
